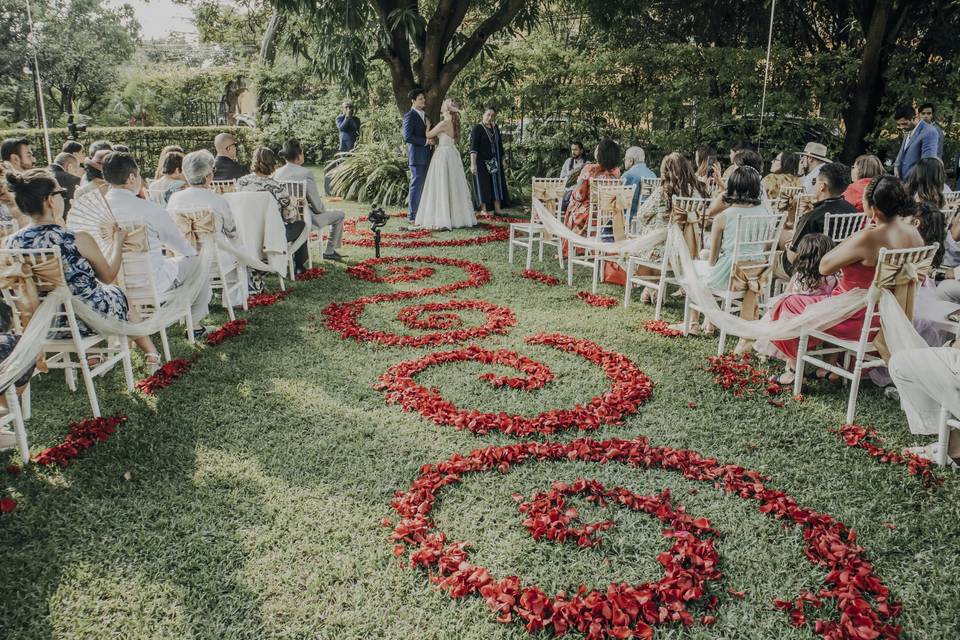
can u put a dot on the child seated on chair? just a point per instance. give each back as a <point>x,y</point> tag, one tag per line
<point>8,341</point>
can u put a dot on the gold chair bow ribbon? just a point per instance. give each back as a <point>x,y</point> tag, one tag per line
<point>134,241</point>
<point>681,217</point>
<point>195,226</point>
<point>618,204</point>
<point>28,279</point>
<point>903,280</point>
<point>548,195</point>
<point>750,278</point>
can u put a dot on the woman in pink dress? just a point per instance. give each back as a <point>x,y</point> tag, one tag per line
<point>887,202</point>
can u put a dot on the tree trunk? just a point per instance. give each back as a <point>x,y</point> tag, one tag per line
<point>860,116</point>
<point>268,45</point>
<point>18,103</point>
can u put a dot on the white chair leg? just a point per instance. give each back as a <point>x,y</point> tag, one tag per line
<point>628,285</point>
<point>798,374</point>
<point>188,320</point>
<point>26,407</point>
<point>596,274</point>
<point>661,292</point>
<point>943,437</point>
<point>165,343</point>
<point>69,372</point>
<point>529,251</point>
<point>513,236</point>
<point>686,316</point>
<point>540,250</point>
<point>570,268</point>
<point>125,360</point>
<point>854,389</point>
<point>88,382</point>
<point>19,428</point>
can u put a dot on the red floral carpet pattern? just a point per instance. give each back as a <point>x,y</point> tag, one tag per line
<point>630,388</point>
<point>597,300</point>
<point>863,605</point>
<point>539,276</point>
<point>866,438</point>
<point>80,437</point>
<point>421,238</point>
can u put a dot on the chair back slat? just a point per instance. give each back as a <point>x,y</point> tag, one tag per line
<point>840,226</point>
<point>549,192</point>
<point>157,196</point>
<point>648,186</point>
<point>592,229</point>
<point>756,240</point>
<point>297,190</point>
<point>224,186</point>
<point>613,207</point>
<point>17,299</point>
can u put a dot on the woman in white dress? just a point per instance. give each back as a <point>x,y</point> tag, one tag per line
<point>446,202</point>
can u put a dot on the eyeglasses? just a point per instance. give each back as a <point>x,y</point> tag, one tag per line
<point>58,192</point>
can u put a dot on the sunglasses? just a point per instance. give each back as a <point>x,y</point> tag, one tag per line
<point>59,192</point>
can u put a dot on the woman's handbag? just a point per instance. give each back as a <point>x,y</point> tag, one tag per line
<point>492,166</point>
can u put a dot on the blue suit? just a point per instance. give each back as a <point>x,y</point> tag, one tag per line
<point>418,158</point>
<point>349,131</point>
<point>922,143</point>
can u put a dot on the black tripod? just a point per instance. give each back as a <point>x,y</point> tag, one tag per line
<point>378,219</point>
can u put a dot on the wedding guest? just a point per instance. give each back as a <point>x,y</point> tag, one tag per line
<point>812,158</point>
<point>574,162</point>
<point>99,145</point>
<point>16,154</point>
<point>928,379</point>
<point>349,126</point>
<point>888,203</point>
<point>634,162</point>
<point>86,269</point>
<point>678,180</point>
<point>920,140</point>
<point>705,161</point>
<point>294,171</point>
<point>263,165</point>
<point>121,172</point>
<point>735,149</point>
<point>742,198</point>
<point>66,171</point>
<point>832,180</point>
<point>784,172</point>
<point>75,149</point>
<point>865,168</point>
<point>122,148</point>
<point>93,175</point>
<point>163,154</point>
<point>926,181</point>
<point>171,179</point>
<point>226,166</point>
<point>487,163</point>
<point>744,157</point>
<point>199,194</point>
<point>606,165</point>
<point>928,113</point>
<point>8,205</point>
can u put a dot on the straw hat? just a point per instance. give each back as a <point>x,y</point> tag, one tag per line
<point>816,150</point>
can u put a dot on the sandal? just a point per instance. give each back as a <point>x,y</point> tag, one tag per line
<point>780,381</point>
<point>95,360</point>
<point>153,362</point>
<point>646,297</point>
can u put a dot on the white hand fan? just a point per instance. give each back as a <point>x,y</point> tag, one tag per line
<point>91,213</point>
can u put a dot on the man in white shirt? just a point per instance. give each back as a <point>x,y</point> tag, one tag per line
<point>813,156</point>
<point>198,171</point>
<point>121,172</point>
<point>573,164</point>
<point>294,171</point>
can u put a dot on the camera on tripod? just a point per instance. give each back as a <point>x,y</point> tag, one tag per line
<point>73,128</point>
<point>378,219</point>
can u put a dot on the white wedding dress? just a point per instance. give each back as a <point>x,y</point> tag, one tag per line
<point>445,202</point>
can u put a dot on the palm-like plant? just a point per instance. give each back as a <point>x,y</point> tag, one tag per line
<point>372,172</point>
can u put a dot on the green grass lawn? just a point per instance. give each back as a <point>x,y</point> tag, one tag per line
<point>257,484</point>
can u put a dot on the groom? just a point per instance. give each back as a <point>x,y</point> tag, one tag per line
<point>415,125</point>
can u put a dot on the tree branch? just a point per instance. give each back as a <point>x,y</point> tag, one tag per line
<point>498,20</point>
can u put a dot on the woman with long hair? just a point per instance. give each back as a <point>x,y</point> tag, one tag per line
<point>446,203</point>
<point>607,165</point>
<point>925,182</point>
<point>784,172</point>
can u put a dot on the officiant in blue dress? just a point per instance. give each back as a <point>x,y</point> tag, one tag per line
<point>486,163</point>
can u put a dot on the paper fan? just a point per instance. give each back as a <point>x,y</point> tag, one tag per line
<point>91,214</point>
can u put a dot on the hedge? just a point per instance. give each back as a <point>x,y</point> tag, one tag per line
<point>145,142</point>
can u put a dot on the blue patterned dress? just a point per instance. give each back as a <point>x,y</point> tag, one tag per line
<point>105,299</point>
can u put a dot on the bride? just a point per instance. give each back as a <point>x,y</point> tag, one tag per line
<point>446,202</point>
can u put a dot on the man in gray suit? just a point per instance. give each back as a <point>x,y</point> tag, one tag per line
<point>294,171</point>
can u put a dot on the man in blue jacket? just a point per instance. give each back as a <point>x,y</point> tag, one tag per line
<point>920,140</point>
<point>415,126</point>
<point>349,127</point>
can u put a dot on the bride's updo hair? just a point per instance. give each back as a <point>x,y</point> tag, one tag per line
<point>31,189</point>
<point>887,195</point>
<point>451,107</point>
